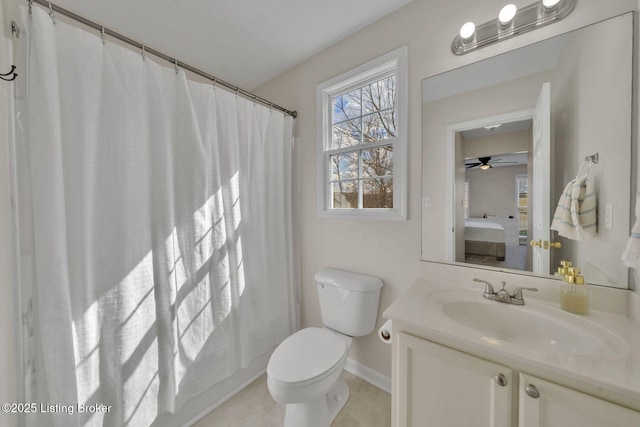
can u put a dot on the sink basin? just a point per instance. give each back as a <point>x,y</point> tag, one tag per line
<point>534,326</point>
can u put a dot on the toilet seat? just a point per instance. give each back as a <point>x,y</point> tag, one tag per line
<point>305,357</point>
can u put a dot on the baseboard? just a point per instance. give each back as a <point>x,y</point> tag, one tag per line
<point>371,376</point>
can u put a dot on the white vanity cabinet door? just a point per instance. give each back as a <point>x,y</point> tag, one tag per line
<point>559,406</point>
<point>435,386</point>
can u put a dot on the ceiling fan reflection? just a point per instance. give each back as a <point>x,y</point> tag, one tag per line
<point>485,163</point>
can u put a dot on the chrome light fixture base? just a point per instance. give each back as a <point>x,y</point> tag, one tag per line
<point>528,18</point>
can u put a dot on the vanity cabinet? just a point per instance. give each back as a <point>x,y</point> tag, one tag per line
<point>545,404</point>
<point>436,386</point>
<point>440,387</point>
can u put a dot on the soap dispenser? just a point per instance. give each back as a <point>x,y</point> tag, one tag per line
<point>575,294</point>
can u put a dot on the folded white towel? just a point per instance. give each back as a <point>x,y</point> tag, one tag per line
<point>631,255</point>
<point>575,217</point>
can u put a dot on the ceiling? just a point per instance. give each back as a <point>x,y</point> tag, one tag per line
<point>244,42</point>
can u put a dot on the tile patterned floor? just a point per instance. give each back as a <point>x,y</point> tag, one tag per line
<point>253,406</point>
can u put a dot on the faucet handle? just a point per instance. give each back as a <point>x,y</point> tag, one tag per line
<point>488,289</point>
<point>517,294</point>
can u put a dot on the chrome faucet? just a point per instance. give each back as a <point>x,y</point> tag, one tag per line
<point>488,289</point>
<point>503,295</point>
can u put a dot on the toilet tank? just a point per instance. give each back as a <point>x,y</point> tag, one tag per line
<point>348,301</point>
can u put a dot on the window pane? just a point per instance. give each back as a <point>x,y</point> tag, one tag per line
<point>377,161</point>
<point>377,193</point>
<point>344,195</point>
<point>379,95</point>
<point>344,166</point>
<point>379,126</point>
<point>346,134</point>
<point>346,106</point>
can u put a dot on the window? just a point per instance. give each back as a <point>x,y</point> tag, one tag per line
<point>522,189</point>
<point>362,148</point>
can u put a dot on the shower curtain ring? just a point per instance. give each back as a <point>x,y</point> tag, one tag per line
<point>237,90</point>
<point>143,53</point>
<point>103,35</point>
<point>52,13</point>
<point>215,79</point>
<point>30,4</point>
<point>175,63</point>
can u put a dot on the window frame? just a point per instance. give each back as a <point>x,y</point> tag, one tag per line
<point>394,62</point>
<point>521,177</point>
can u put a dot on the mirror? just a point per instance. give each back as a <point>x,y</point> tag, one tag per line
<point>503,137</point>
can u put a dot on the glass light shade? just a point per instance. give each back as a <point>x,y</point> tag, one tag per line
<point>485,167</point>
<point>550,3</point>
<point>507,13</point>
<point>467,30</point>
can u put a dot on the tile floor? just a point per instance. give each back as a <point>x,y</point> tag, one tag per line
<point>368,406</point>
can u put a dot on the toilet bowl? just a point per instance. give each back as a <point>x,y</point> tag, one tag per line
<point>305,376</point>
<point>304,373</point>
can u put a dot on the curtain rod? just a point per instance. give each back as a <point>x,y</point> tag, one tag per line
<point>53,9</point>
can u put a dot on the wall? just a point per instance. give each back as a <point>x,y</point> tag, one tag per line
<point>493,192</point>
<point>391,249</point>
<point>7,364</point>
<point>586,113</point>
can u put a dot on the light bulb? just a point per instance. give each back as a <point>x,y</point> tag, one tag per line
<point>507,13</point>
<point>467,30</point>
<point>550,3</point>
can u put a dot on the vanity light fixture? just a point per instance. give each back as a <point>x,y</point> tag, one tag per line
<point>493,127</point>
<point>511,21</point>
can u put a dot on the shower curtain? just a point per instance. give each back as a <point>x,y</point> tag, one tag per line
<point>160,226</point>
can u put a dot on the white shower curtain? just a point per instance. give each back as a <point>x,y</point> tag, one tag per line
<point>161,228</point>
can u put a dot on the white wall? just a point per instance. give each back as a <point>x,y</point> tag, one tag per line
<point>391,249</point>
<point>7,366</point>
<point>493,192</point>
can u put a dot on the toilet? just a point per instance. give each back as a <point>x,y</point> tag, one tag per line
<point>304,373</point>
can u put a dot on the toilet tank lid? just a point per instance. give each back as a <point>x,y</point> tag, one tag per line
<point>348,280</point>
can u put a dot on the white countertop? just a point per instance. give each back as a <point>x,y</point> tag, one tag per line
<point>614,375</point>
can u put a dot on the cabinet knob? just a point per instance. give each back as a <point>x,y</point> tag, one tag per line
<point>532,391</point>
<point>501,380</point>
